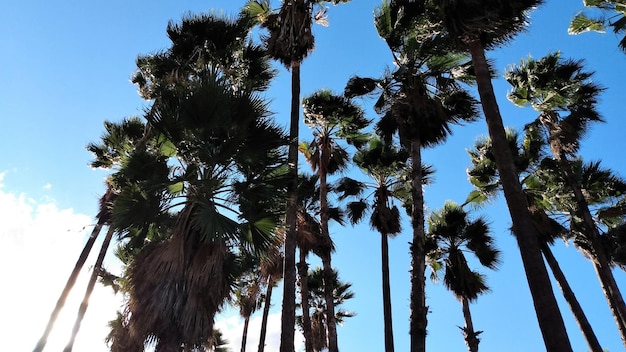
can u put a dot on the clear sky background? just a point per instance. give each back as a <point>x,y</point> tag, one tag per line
<point>65,68</point>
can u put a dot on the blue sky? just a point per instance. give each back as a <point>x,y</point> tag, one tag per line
<point>65,69</point>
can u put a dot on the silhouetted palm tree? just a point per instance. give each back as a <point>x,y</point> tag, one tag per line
<point>217,153</point>
<point>450,235</point>
<point>418,101</point>
<point>528,155</point>
<point>331,118</point>
<point>385,164</point>
<point>317,305</point>
<point>476,26</point>
<point>290,41</point>
<point>566,98</point>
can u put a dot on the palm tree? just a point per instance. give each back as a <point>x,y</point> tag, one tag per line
<point>565,97</point>
<point>601,188</point>
<point>613,14</point>
<point>317,304</point>
<point>477,26</point>
<point>450,235</point>
<point>419,101</point>
<point>290,41</point>
<point>199,258</point>
<point>385,165</point>
<point>528,155</point>
<point>218,155</point>
<point>331,117</point>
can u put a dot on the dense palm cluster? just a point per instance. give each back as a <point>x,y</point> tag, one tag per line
<point>208,208</point>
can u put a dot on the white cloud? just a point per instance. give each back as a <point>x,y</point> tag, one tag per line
<point>47,186</point>
<point>39,245</point>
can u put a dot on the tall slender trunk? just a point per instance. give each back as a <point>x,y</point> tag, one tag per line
<point>471,337</point>
<point>244,335</point>
<point>548,315</point>
<point>571,300</point>
<point>326,257</point>
<point>419,310</point>
<point>303,271</point>
<point>331,324</point>
<point>90,286</point>
<point>384,246</point>
<point>102,220</point>
<point>266,313</point>
<point>599,258</point>
<point>288,315</point>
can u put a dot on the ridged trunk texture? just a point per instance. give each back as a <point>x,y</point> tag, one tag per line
<point>572,301</point>
<point>548,315</point>
<point>418,318</point>
<point>288,314</point>
<point>471,337</point>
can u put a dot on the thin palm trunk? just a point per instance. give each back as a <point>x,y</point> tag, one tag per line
<point>418,318</point>
<point>102,220</point>
<point>244,336</point>
<point>471,337</point>
<point>288,314</point>
<point>303,271</point>
<point>266,312</point>
<point>613,296</point>
<point>386,294</point>
<point>599,259</point>
<point>571,300</point>
<point>326,258</point>
<point>90,286</point>
<point>329,298</point>
<point>548,315</point>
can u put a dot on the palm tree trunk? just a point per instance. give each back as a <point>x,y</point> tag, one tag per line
<point>571,300</point>
<point>244,336</point>
<point>600,261</point>
<point>102,219</point>
<point>330,303</point>
<point>471,337</point>
<point>418,319</point>
<point>386,294</point>
<point>266,313</point>
<point>303,271</point>
<point>288,315</point>
<point>90,286</point>
<point>326,258</point>
<point>548,315</point>
<point>612,294</point>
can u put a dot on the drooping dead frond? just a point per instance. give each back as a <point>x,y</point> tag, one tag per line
<point>177,287</point>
